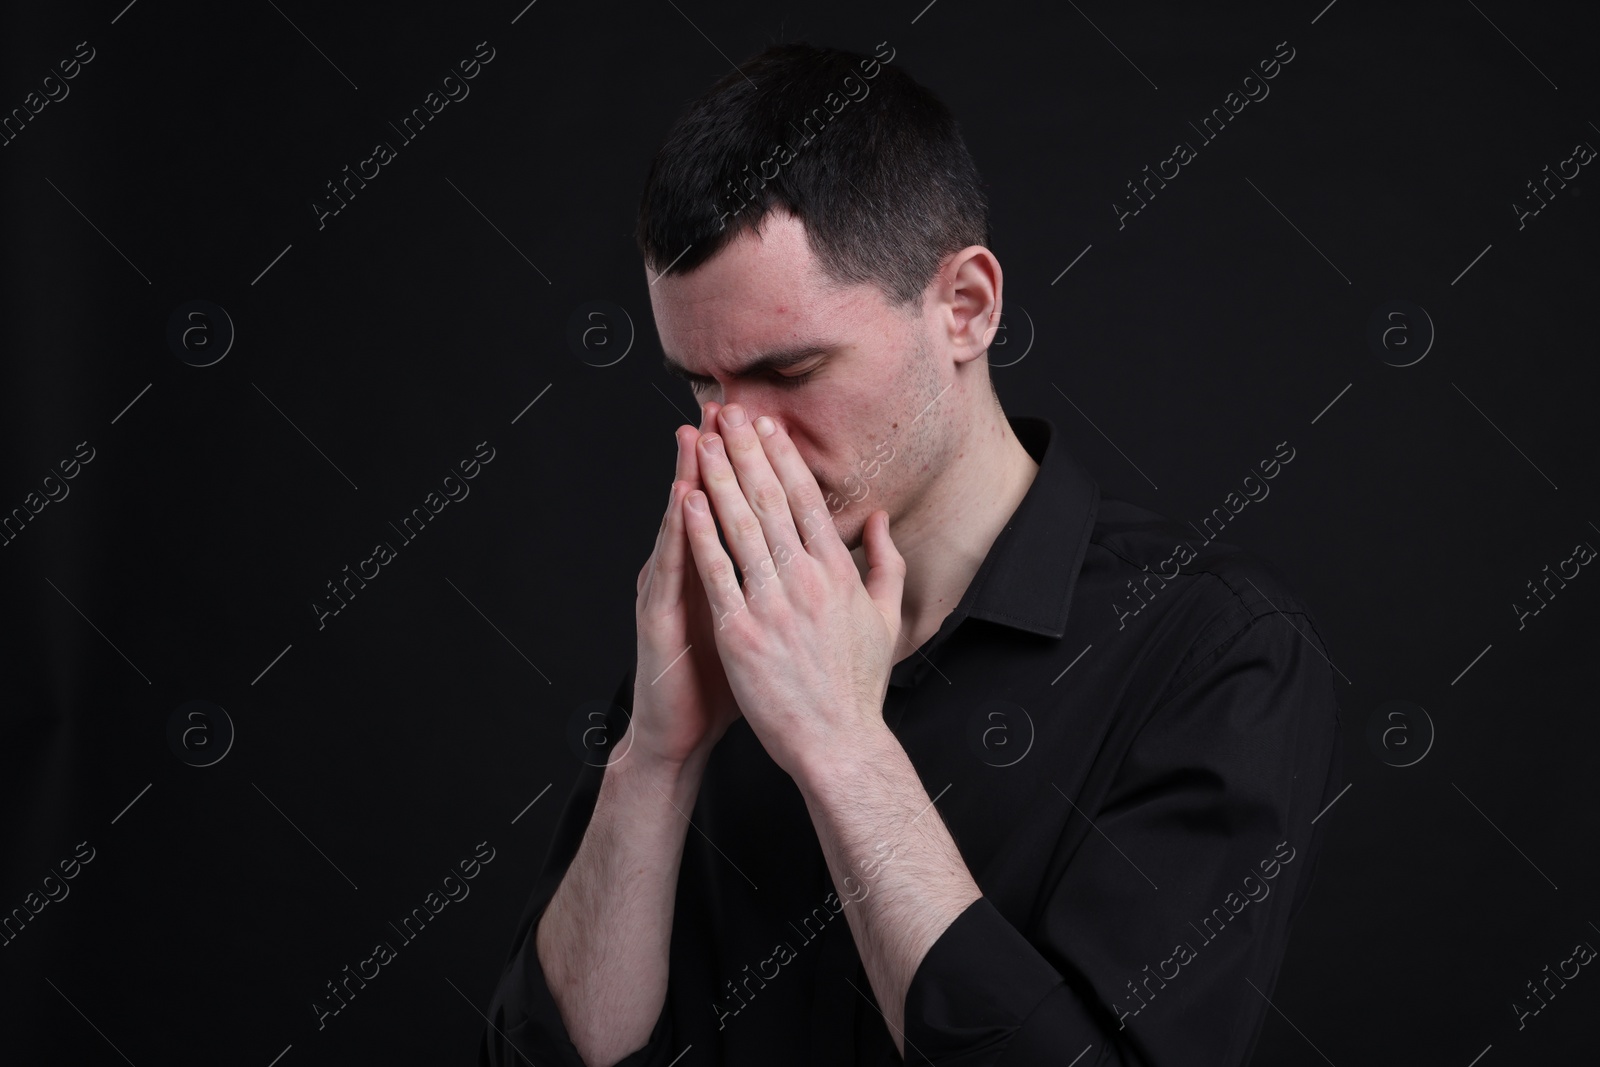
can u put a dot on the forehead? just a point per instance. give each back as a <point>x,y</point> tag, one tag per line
<point>763,291</point>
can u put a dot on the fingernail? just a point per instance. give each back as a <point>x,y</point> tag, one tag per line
<point>697,500</point>
<point>733,415</point>
<point>713,443</point>
<point>765,426</point>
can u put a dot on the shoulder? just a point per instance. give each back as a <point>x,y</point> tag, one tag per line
<point>1186,588</point>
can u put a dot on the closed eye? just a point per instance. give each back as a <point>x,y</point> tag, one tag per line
<point>782,381</point>
<point>787,382</point>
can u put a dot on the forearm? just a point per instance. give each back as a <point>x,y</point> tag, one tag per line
<point>893,863</point>
<point>603,940</point>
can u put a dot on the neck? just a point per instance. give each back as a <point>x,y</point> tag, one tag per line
<point>946,533</point>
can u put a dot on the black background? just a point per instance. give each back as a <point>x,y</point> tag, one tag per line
<point>378,351</point>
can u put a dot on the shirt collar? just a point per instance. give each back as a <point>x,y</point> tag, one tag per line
<point>1027,578</point>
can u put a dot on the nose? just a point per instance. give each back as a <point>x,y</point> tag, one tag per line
<point>745,396</point>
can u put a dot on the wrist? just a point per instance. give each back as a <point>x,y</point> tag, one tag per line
<point>871,751</point>
<point>678,779</point>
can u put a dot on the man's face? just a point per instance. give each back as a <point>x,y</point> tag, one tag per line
<point>867,419</point>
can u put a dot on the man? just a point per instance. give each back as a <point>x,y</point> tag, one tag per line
<point>1055,759</point>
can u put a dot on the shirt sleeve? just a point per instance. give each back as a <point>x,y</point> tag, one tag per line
<point>524,1025</point>
<point>1160,931</point>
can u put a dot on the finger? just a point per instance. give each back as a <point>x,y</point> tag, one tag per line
<point>708,423</point>
<point>688,454</point>
<point>746,539</point>
<point>808,508</point>
<point>643,580</point>
<point>765,494</point>
<point>686,471</point>
<point>665,584</point>
<point>716,570</point>
<point>689,474</point>
<point>688,463</point>
<point>886,567</point>
<point>683,468</point>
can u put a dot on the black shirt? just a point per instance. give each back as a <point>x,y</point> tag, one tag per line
<point>1128,727</point>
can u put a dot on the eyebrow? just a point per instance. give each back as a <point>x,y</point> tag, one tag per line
<point>778,359</point>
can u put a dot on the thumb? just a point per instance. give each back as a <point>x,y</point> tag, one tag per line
<point>886,567</point>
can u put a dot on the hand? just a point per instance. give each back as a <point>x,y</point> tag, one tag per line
<point>806,647</point>
<point>681,706</point>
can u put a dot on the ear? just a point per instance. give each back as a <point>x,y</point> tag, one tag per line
<point>969,311</point>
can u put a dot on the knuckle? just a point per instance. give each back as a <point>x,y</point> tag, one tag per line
<point>810,501</point>
<point>770,498</point>
<point>814,582</point>
<point>811,521</point>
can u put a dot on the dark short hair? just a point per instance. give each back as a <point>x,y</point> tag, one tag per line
<point>872,164</point>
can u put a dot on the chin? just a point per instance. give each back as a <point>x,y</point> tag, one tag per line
<point>851,527</point>
<point>850,521</point>
<point>846,525</point>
